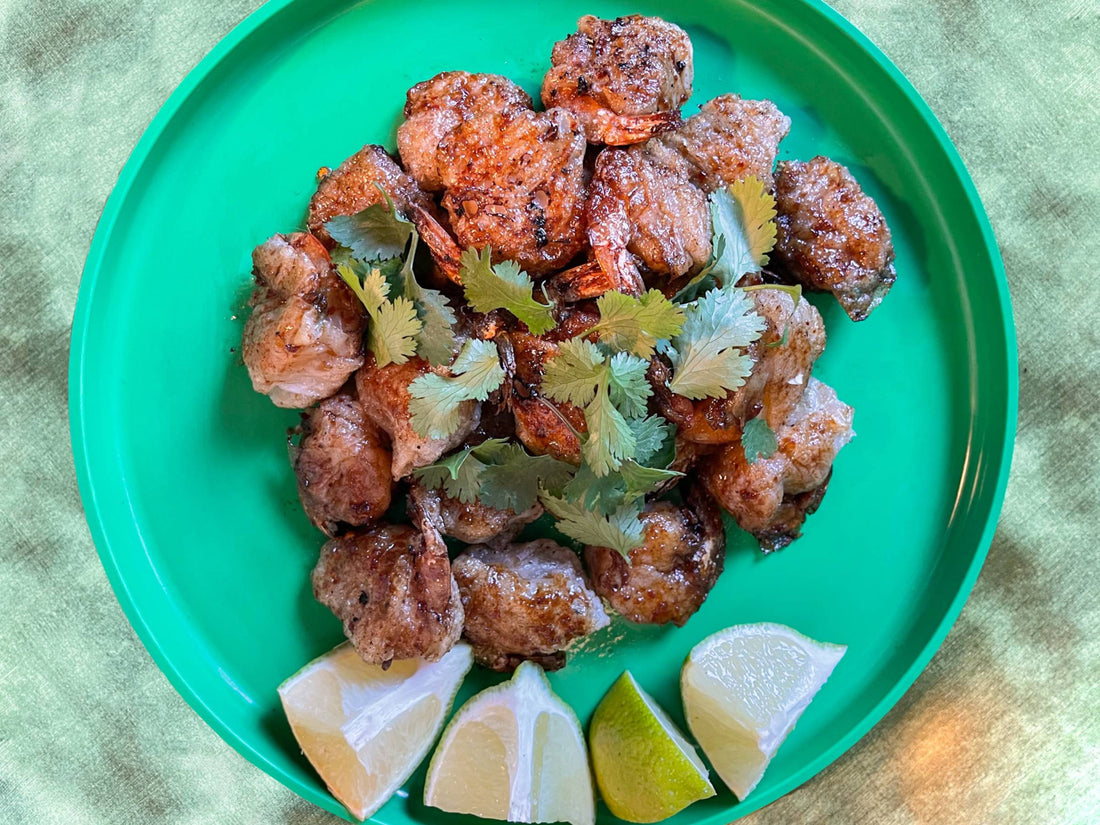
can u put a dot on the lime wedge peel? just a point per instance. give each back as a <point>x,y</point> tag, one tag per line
<point>645,768</point>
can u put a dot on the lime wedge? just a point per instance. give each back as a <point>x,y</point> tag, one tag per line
<point>646,770</point>
<point>514,752</point>
<point>365,729</point>
<point>744,688</point>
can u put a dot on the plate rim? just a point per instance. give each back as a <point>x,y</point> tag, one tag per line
<point>104,230</point>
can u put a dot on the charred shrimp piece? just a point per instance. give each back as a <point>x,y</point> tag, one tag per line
<point>771,497</point>
<point>648,204</point>
<point>392,588</point>
<point>305,334</point>
<point>342,464</point>
<point>473,523</point>
<point>582,282</point>
<point>435,107</point>
<point>516,183</point>
<point>356,183</point>
<point>669,576</point>
<point>545,426</point>
<point>384,395</point>
<point>832,237</point>
<point>773,388</point>
<point>624,79</point>
<point>525,601</point>
<point>644,212</point>
<point>729,139</point>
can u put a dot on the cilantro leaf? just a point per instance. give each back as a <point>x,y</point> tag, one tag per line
<point>571,375</point>
<point>512,480</point>
<point>650,436</point>
<point>394,325</point>
<point>634,325</point>
<point>758,440</point>
<point>609,438</point>
<point>374,234</point>
<point>602,494</point>
<point>707,356</point>
<point>621,531</point>
<point>743,214</point>
<point>434,400</point>
<point>392,332</point>
<point>641,481</point>
<point>742,235</point>
<point>627,384</point>
<point>503,286</point>
<point>459,476</point>
<point>496,472</point>
<point>369,286</point>
<point>436,340</point>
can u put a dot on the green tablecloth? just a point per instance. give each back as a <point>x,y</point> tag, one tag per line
<point>1004,726</point>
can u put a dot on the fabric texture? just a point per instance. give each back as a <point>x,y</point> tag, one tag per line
<point>1004,725</point>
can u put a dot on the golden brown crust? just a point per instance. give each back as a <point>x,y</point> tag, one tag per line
<point>384,395</point>
<point>830,236</point>
<point>516,183</point>
<point>434,107</point>
<point>625,79</point>
<point>669,576</point>
<point>473,523</point>
<point>392,588</point>
<point>526,601</point>
<point>354,185</point>
<point>808,443</point>
<point>729,139</point>
<point>305,334</point>
<point>342,464</point>
<point>648,205</point>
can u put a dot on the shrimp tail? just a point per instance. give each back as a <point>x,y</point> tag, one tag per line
<point>445,251</point>
<point>623,130</point>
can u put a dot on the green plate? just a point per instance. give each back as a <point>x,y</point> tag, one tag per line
<point>183,469</point>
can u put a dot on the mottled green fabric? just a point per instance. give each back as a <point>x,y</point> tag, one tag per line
<point>1003,727</point>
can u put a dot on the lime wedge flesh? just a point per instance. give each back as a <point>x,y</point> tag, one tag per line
<point>514,752</point>
<point>744,688</point>
<point>645,768</point>
<point>365,729</point>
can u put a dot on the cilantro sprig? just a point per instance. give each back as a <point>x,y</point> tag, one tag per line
<point>605,511</point>
<point>490,286</point>
<point>610,389</point>
<point>743,234</point>
<point>434,400</point>
<point>394,325</point>
<point>380,234</point>
<point>498,473</point>
<point>708,357</point>
<point>621,530</point>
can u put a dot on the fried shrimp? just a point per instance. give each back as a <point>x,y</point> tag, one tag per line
<point>624,79</point>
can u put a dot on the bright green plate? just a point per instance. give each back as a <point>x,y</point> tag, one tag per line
<point>183,469</point>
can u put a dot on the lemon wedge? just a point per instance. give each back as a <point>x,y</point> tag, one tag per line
<point>645,769</point>
<point>515,752</point>
<point>744,689</point>
<point>365,729</point>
